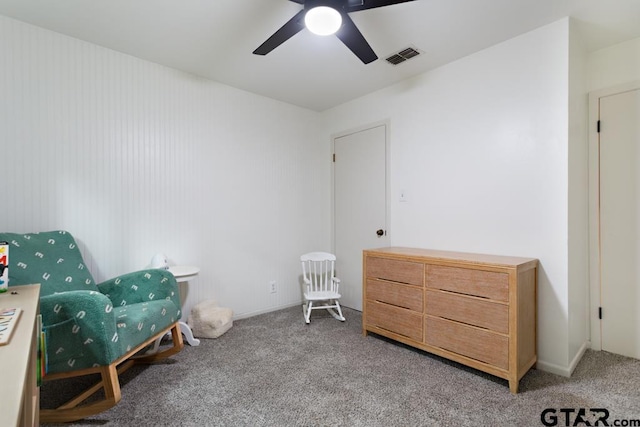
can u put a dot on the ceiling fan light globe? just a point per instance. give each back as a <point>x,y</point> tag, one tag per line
<point>323,20</point>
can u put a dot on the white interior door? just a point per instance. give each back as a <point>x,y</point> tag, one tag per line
<point>360,203</point>
<point>620,222</point>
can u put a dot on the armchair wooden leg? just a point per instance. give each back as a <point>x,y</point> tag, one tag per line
<point>73,410</point>
<point>70,411</point>
<point>178,344</point>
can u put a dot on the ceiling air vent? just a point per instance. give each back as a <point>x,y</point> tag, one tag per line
<point>402,56</point>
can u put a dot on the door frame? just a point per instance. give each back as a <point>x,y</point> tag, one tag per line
<point>334,136</point>
<point>595,278</point>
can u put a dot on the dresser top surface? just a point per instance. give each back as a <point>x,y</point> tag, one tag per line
<point>466,257</point>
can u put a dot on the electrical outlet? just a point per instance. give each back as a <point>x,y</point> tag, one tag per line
<point>272,287</point>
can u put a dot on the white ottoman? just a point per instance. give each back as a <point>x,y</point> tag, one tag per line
<point>207,320</point>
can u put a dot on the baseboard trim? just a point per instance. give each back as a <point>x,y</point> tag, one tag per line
<point>552,368</point>
<point>564,371</point>
<point>268,310</point>
<point>578,356</point>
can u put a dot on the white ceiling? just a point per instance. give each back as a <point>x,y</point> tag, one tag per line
<point>216,38</point>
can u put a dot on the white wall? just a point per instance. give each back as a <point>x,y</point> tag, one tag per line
<point>579,331</point>
<point>481,148</point>
<point>134,158</point>
<point>615,65</point>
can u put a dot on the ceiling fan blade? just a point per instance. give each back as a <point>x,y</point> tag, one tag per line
<point>354,40</point>
<point>353,6</point>
<point>288,30</point>
<point>298,1</point>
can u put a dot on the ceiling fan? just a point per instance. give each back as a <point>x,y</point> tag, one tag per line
<point>326,17</point>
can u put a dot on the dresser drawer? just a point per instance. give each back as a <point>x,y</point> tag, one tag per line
<point>406,296</point>
<point>395,270</point>
<point>395,319</point>
<point>485,346</point>
<point>474,311</point>
<point>486,284</point>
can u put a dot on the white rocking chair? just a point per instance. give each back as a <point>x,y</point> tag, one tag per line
<point>321,286</point>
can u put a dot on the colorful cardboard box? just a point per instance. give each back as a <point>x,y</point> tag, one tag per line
<point>4,266</point>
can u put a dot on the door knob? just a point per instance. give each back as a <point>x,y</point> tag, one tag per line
<point>380,232</point>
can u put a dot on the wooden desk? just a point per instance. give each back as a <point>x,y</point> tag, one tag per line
<point>20,400</point>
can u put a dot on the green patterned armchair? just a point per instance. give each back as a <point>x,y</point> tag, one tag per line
<point>92,328</point>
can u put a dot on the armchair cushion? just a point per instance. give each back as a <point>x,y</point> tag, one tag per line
<point>141,286</point>
<point>51,259</point>
<point>146,302</point>
<point>137,322</point>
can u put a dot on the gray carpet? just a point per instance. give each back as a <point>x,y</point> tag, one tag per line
<point>273,370</point>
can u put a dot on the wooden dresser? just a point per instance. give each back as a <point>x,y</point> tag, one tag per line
<point>478,310</point>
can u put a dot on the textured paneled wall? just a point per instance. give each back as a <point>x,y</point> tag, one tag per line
<point>134,158</point>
